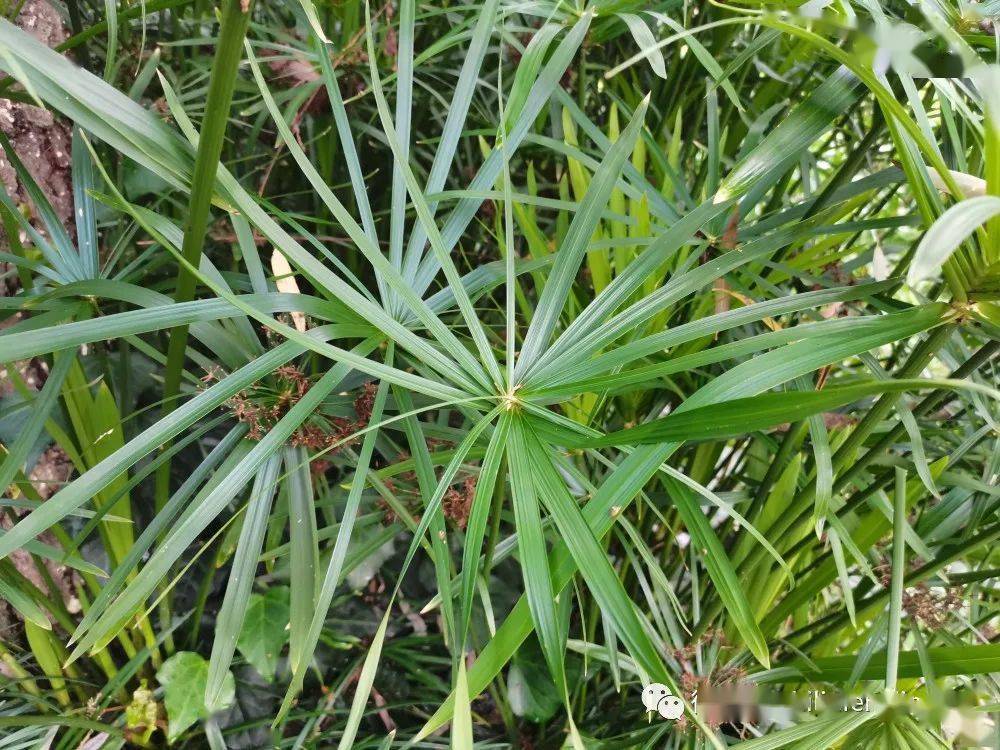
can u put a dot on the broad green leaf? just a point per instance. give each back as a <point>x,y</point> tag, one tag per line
<point>950,230</point>
<point>265,630</point>
<point>183,677</point>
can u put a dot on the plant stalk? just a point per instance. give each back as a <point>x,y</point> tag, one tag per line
<point>898,573</point>
<point>228,54</point>
<point>235,18</point>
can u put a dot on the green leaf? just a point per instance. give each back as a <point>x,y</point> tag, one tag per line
<point>462,366</point>
<point>824,729</point>
<point>228,451</point>
<point>461,729</point>
<point>41,408</point>
<point>194,522</point>
<point>23,345</point>
<point>183,677</point>
<point>794,134</point>
<point>111,14</point>
<point>57,248</point>
<point>85,214</point>
<point>400,131</point>
<point>229,623</point>
<point>465,89</point>
<point>591,559</point>
<point>530,689</point>
<point>538,96</point>
<point>17,592</point>
<point>680,334</point>
<point>335,567</point>
<point>313,17</point>
<point>946,234</point>
<point>896,585</point>
<point>487,360</point>
<point>946,660</point>
<point>720,570</point>
<point>744,415</point>
<point>364,685</point>
<point>533,556</point>
<point>644,38</point>
<point>304,547</point>
<point>567,264</point>
<point>479,514</point>
<point>98,477</point>
<point>265,630</point>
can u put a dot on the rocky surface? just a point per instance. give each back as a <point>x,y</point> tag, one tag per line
<point>41,142</point>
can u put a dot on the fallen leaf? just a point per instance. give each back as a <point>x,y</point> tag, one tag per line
<point>284,279</point>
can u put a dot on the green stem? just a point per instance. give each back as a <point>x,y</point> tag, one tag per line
<point>991,165</point>
<point>228,54</point>
<point>76,24</point>
<point>499,495</point>
<point>898,573</point>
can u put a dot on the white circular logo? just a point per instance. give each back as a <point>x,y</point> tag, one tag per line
<point>657,697</point>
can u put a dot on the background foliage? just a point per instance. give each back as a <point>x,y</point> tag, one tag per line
<point>440,375</point>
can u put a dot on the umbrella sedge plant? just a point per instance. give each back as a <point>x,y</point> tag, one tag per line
<point>430,375</point>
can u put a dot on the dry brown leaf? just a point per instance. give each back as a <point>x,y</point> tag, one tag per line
<point>284,279</point>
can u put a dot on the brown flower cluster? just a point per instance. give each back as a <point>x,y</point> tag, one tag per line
<point>724,675</point>
<point>687,653</point>
<point>930,608</point>
<point>457,504</point>
<point>705,685</point>
<point>263,404</point>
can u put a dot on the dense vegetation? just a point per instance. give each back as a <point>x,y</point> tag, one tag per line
<point>432,374</point>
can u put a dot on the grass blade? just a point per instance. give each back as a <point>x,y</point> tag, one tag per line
<point>241,577</point>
